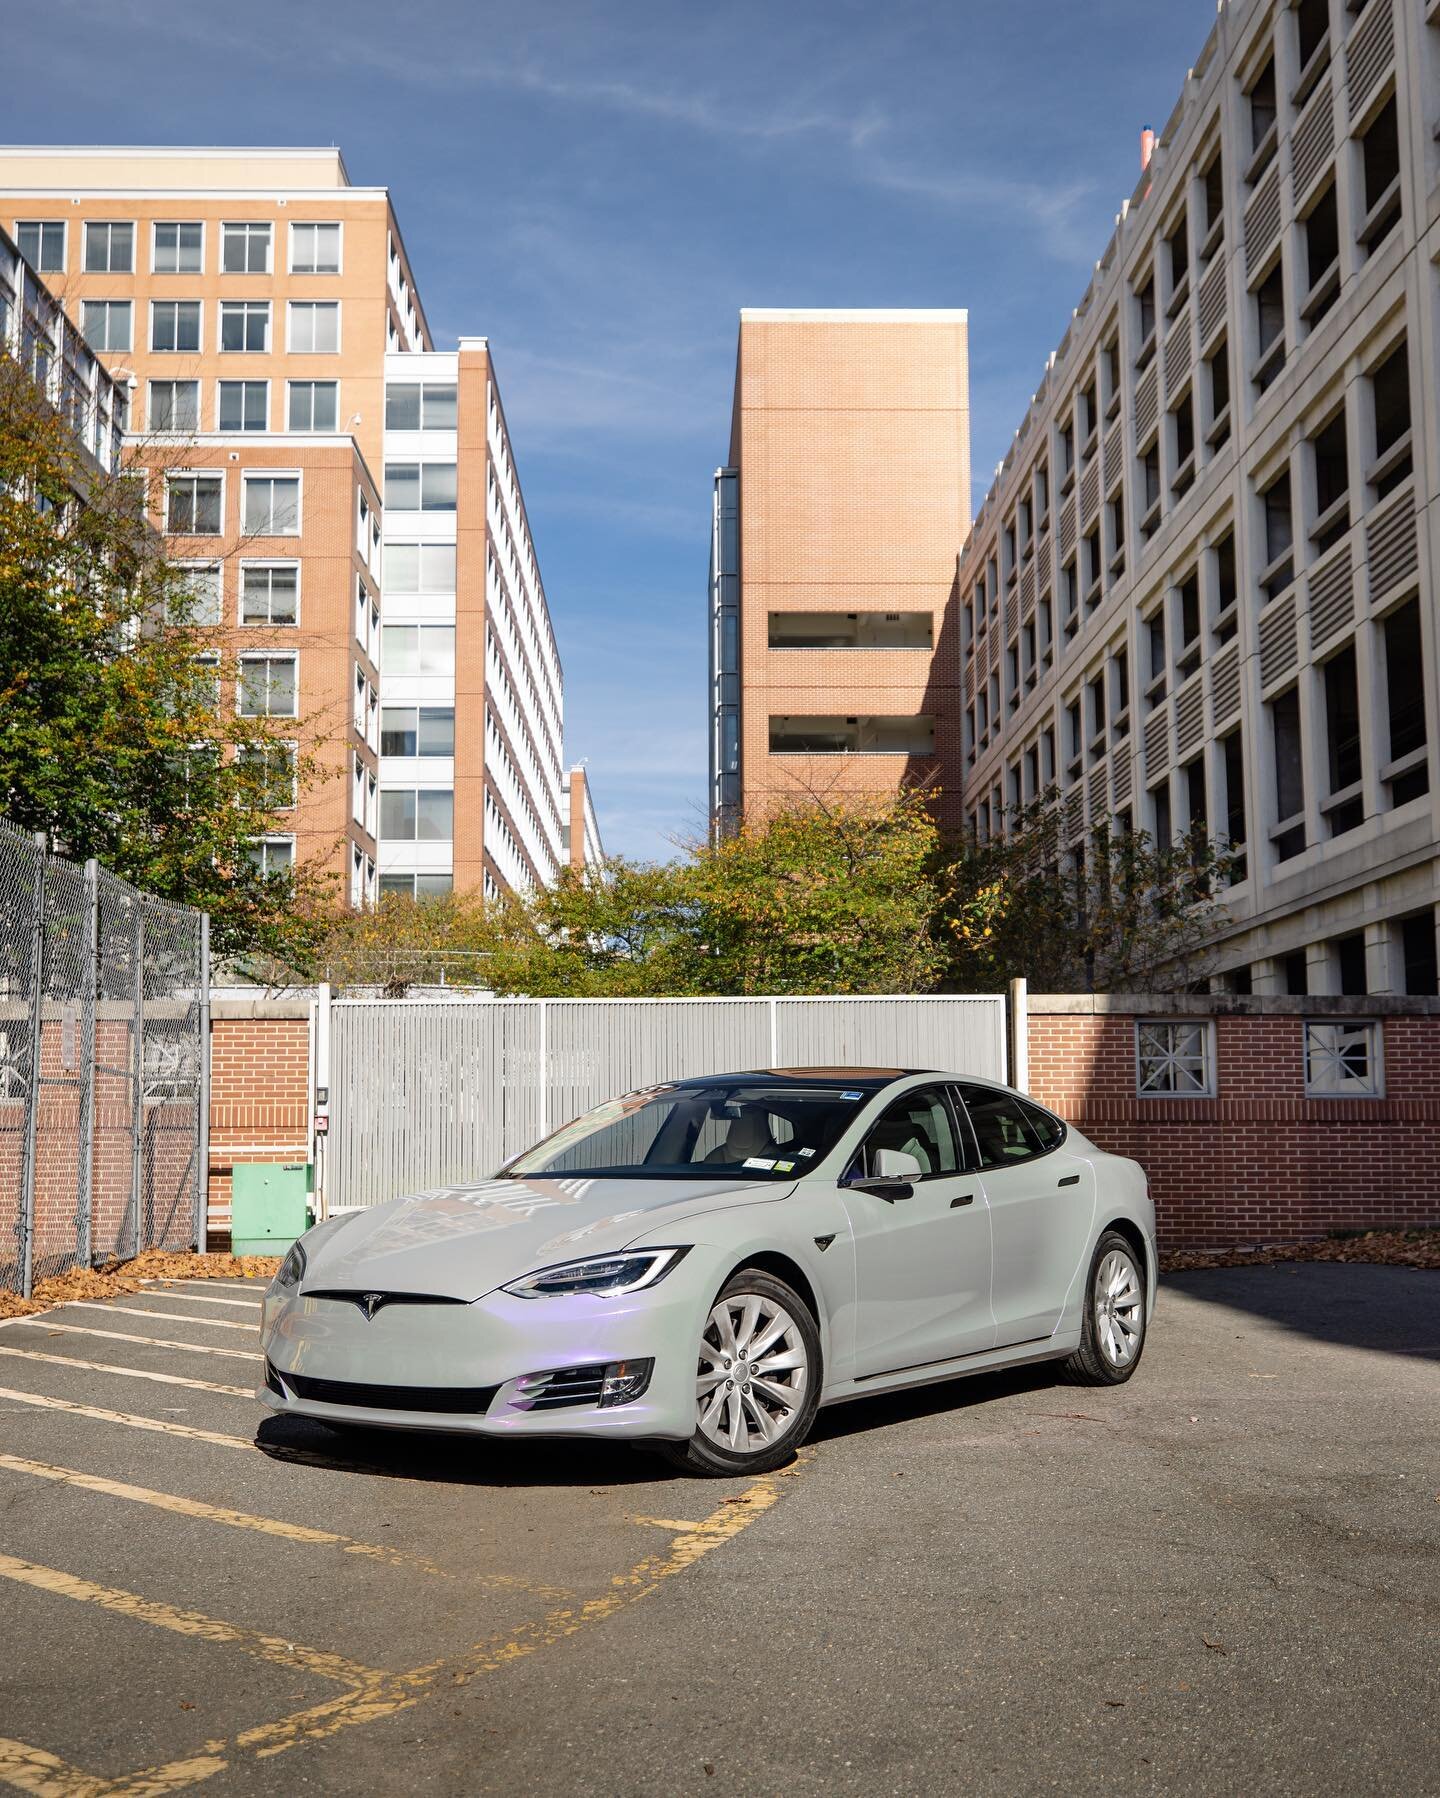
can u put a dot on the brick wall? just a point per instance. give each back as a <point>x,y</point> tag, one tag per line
<point>259,1093</point>
<point>1258,1161</point>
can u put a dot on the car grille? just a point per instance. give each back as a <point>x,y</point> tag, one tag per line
<point>560,1387</point>
<point>457,1400</point>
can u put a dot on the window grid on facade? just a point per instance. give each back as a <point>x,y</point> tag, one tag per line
<point>1343,1060</point>
<point>1174,1058</point>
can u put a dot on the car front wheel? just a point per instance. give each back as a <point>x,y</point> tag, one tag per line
<point>1112,1335</point>
<point>757,1379</point>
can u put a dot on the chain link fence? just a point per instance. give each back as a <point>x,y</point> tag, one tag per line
<point>104,1067</point>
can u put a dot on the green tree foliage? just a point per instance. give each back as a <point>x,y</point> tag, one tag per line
<point>112,738</point>
<point>821,898</point>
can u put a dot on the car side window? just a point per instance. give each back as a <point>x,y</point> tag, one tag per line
<point>1049,1129</point>
<point>921,1124</point>
<point>1003,1128</point>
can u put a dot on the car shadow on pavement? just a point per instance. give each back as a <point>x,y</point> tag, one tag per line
<point>459,1460</point>
<point>860,1415</point>
<point>1388,1310</point>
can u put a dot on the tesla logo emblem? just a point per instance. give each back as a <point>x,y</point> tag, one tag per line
<point>370,1303</point>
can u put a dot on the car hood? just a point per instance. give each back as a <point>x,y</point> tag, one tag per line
<point>464,1241</point>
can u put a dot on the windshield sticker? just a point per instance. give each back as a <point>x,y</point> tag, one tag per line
<point>757,1161</point>
<point>784,1167</point>
<point>852,1095</point>
<point>807,1151</point>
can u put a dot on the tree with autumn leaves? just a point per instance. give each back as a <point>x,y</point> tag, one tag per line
<point>823,896</point>
<point>113,740</point>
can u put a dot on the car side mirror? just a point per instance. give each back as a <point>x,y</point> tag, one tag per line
<point>891,1177</point>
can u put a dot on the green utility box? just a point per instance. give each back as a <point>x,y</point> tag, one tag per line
<point>269,1205</point>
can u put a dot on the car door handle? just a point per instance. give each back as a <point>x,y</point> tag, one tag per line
<point>1070,1180</point>
<point>966,1198</point>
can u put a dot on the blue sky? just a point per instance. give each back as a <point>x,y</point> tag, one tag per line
<point>600,188</point>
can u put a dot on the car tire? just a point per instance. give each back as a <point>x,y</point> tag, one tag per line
<point>1112,1334</point>
<point>773,1306</point>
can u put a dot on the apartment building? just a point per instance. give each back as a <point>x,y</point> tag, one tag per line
<point>1201,590</point>
<point>264,311</point>
<point>584,850</point>
<point>833,664</point>
<point>49,346</point>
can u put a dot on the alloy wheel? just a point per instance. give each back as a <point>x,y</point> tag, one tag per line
<point>752,1373</point>
<point>1119,1308</point>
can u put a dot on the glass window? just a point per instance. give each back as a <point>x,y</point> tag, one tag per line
<point>179,247</point>
<point>314,249</point>
<point>193,505</point>
<point>268,687</point>
<point>270,593</point>
<point>420,406</point>
<point>272,505</point>
<point>314,326</point>
<point>272,766</point>
<point>919,1124</point>
<point>420,567</point>
<point>106,324</point>
<point>245,325</point>
<point>1174,1058</point>
<point>175,325</point>
<point>42,243</point>
<point>272,855</point>
<point>1050,1130</point>
<point>245,249</point>
<point>1004,1133</point>
<point>1343,1060</point>
<point>732,1128</point>
<point>417,730</point>
<point>109,248</point>
<point>314,405</point>
<point>420,486</point>
<point>198,601</point>
<point>418,648</point>
<point>244,406</point>
<point>174,406</point>
<point>425,815</point>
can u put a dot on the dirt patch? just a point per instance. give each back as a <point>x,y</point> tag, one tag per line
<point>1388,1248</point>
<point>118,1277</point>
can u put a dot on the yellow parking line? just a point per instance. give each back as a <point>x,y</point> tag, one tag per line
<point>135,1423</point>
<point>133,1373</point>
<point>192,1623</point>
<point>33,1770</point>
<point>255,1285</point>
<point>195,1348</point>
<point>167,1317</point>
<point>240,1520</point>
<point>202,1298</point>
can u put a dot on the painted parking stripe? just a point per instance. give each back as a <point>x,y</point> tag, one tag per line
<point>48,1324</point>
<point>34,1770</point>
<point>241,1520</point>
<point>198,1298</point>
<point>191,1623</point>
<point>133,1373</point>
<point>256,1285</point>
<point>100,1415</point>
<point>166,1317</point>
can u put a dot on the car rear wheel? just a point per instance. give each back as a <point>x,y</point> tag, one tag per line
<point>1112,1335</point>
<point>757,1379</point>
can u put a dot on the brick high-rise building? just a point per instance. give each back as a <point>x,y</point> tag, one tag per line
<point>346,493</point>
<point>834,668</point>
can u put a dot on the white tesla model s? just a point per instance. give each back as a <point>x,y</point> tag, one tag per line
<point>702,1264</point>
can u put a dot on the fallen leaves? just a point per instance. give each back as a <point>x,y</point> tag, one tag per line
<point>1388,1248</point>
<point>114,1278</point>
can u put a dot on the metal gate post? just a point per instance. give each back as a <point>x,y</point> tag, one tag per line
<point>1019,1036</point>
<point>137,1063</point>
<point>85,1215</point>
<point>202,1097</point>
<point>32,1096</point>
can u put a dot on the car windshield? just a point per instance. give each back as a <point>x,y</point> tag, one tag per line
<point>730,1129</point>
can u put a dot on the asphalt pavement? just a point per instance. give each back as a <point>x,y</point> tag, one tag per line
<point>1222,1577</point>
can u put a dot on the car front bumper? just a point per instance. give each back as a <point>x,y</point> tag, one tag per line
<point>410,1350</point>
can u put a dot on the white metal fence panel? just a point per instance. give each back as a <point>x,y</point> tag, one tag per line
<point>427,1093</point>
<point>962,1035</point>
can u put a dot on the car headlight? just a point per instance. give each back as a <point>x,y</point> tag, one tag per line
<point>291,1269</point>
<point>602,1276</point>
